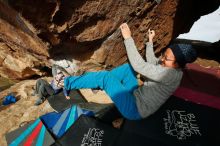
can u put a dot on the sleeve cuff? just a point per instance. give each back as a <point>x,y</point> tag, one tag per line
<point>128,40</point>
<point>149,44</point>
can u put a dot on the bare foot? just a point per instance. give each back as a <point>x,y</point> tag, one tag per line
<point>118,123</point>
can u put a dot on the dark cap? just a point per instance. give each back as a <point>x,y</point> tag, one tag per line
<point>184,53</point>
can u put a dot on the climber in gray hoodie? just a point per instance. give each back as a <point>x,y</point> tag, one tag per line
<point>162,77</point>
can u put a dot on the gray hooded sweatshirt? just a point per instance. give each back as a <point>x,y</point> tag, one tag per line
<point>160,82</point>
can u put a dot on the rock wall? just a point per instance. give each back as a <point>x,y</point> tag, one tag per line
<point>88,29</point>
<point>21,51</point>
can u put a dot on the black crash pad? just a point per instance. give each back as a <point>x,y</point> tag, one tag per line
<point>179,122</point>
<point>130,139</point>
<point>89,131</point>
<point>59,103</point>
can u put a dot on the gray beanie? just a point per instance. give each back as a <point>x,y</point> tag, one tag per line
<point>184,53</point>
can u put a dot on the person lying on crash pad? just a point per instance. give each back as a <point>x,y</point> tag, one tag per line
<point>162,77</point>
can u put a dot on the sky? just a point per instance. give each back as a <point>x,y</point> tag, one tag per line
<point>207,28</point>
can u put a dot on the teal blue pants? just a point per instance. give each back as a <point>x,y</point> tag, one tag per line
<point>118,83</point>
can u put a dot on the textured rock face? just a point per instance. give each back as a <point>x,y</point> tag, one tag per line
<point>88,29</point>
<point>21,51</point>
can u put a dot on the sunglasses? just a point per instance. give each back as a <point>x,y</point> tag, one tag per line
<point>59,81</point>
<point>165,57</point>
